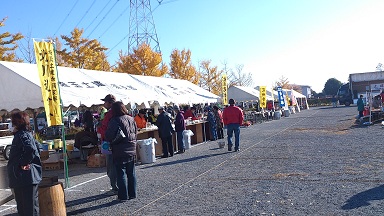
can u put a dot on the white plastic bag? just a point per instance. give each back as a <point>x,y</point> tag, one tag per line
<point>187,138</point>
<point>147,150</point>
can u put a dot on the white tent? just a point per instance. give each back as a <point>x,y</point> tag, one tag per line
<point>243,93</point>
<point>177,91</point>
<point>20,88</point>
<point>300,98</point>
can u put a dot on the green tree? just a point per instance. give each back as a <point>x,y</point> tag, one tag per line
<point>331,86</point>
<point>181,66</point>
<point>8,44</point>
<point>82,52</point>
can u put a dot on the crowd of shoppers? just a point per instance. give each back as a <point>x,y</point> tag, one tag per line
<point>25,151</point>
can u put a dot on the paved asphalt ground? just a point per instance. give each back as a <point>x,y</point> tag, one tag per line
<point>316,162</point>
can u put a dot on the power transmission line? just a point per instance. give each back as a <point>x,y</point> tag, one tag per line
<point>114,22</point>
<point>66,17</point>
<point>98,15</point>
<point>103,18</point>
<point>117,44</point>
<point>85,13</point>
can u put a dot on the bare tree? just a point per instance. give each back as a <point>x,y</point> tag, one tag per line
<point>26,49</point>
<point>283,83</point>
<point>239,78</point>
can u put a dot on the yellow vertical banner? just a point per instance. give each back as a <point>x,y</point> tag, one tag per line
<point>263,97</point>
<point>224,88</point>
<point>288,103</point>
<point>46,66</point>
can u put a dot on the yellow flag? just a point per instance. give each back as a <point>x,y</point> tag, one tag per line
<point>263,96</point>
<point>46,66</point>
<point>224,88</point>
<point>287,99</point>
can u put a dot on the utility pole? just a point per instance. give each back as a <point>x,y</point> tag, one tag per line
<point>141,26</point>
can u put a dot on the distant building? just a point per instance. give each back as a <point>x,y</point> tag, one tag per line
<point>306,90</point>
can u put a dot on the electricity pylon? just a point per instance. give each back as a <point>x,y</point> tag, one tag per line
<point>141,26</point>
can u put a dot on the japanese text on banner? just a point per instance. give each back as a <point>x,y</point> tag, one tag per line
<point>263,96</point>
<point>224,89</point>
<point>46,66</point>
<point>281,96</point>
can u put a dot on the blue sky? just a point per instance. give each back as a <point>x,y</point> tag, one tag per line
<point>306,41</point>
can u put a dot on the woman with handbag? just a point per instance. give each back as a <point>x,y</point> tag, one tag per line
<point>24,166</point>
<point>122,133</point>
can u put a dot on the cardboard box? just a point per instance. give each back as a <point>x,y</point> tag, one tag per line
<point>44,155</point>
<point>53,166</point>
<point>96,160</point>
<point>52,158</point>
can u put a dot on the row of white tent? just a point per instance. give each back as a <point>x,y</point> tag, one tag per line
<point>244,94</point>
<point>20,88</point>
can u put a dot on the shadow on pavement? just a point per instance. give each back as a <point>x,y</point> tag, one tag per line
<point>184,160</point>
<point>3,177</point>
<point>363,198</point>
<point>87,200</point>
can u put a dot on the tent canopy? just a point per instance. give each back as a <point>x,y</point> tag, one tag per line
<point>20,88</point>
<point>243,93</point>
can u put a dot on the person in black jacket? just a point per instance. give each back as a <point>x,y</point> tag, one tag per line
<point>165,132</point>
<point>179,128</point>
<point>124,152</point>
<point>24,166</point>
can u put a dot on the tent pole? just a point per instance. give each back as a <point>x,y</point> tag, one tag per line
<point>65,155</point>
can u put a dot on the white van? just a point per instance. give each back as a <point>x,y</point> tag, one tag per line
<point>5,141</point>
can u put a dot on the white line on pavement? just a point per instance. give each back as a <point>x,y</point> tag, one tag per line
<point>9,207</point>
<point>219,165</point>
<point>70,188</point>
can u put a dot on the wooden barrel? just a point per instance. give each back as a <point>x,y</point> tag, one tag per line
<point>51,200</point>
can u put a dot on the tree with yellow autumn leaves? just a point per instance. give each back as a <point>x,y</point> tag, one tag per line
<point>210,77</point>
<point>82,52</point>
<point>143,61</point>
<point>8,44</point>
<point>181,66</point>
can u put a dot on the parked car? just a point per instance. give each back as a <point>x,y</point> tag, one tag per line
<point>6,138</point>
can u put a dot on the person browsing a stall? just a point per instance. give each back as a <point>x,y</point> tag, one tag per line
<point>190,113</point>
<point>111,170</point>
<point>140,120</point>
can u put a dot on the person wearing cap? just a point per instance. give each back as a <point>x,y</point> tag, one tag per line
<point>179,128</point>
<point>166,130</point>
<point>140,120</point>
<point>111,170</point>
<point>233,117</point>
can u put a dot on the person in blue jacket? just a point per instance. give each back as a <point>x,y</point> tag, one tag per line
<point>212,122</point>
<point>24,166</point>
